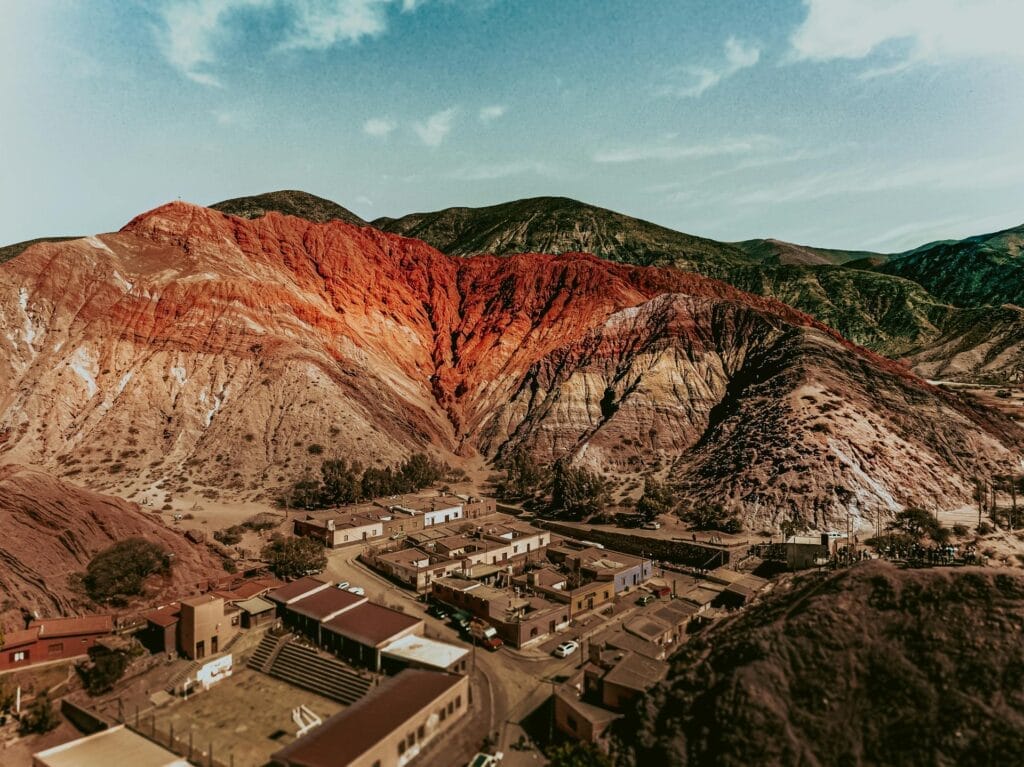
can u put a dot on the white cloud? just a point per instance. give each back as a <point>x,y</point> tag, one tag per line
<point>489,172</point>
<point>487,114</point>
<point>379,127</point>
<point>435,128</point>
<point>925,30</point>
<point>683,151</point>
<point>691,82</point>
<point>190,33</point>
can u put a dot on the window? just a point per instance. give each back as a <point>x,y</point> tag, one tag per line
<point>451,707</point>
<point>421,732</point>
<point>234,620</point>
<point>401,747</point>
<point>410,739</point>
<point>377,763</point>
<point>19,656</point>
<point>443,715</point>
<point>458,701</point>
<point>573,724</point>
<point>55,649</point>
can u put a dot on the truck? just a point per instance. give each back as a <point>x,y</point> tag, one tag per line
<point>484,634</point>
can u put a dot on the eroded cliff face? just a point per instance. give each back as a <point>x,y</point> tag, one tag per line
<point>195,347</point>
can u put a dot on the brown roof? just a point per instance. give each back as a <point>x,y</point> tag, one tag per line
<point>371,624</point>
<point>18,638</point>
<point>322,604</point>
<point>295,589</point>
<point>165,616</point>
<point>64,627</point>
<point>637,673</point>
<point>351,733</point>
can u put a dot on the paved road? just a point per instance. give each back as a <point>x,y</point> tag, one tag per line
<point>516,683</point>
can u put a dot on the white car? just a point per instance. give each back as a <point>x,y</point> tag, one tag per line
<point>566,649</point>
<point>359,591</point>
<point>344,585</point>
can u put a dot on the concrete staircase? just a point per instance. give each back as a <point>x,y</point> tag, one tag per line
<point>176,681</point>
<point>306,668</point>
<point>266,651</point>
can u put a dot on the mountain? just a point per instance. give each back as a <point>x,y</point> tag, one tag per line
<point>194,350</point>
<point>867,666</point>
<point>291,203</point>
<point>560,225</point>
<point>887,304</point>
<point>978,271</point>
<point>53,528</point>
<point>7,252</point>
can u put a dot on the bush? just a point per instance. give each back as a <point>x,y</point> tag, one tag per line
<point>655,501</point>
<point>121,570</point>
<point>315,449</point>
<point>103,669</point>
<point>714,517</point>
<point>229,536</point>
<point>40,716</point>
<point>295,557</point>
<point>523,476</point>
<point>961,531</point>
<point>984,528</point>
<point>260,522</point>
<point>342,482</point>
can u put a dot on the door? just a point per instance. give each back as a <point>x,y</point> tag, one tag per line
<point>201,649</point>
<point>213,645</point>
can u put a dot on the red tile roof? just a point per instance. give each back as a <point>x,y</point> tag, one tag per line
<point>322,604</point>
<point>64,627</point>
<point>18,638</point>
<point>371,624</point>
<point>351,733</point>
<point>295,589</point>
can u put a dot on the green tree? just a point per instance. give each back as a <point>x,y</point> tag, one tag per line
<point>713,517</point>
<point>578,492</point>
<point>103,669</point>
<point>523,476</point>
<point>341,482</point>
<point>295,557</point>
<point>120,571</point>
<point>40,716</point>
<point>918,523</point>
<point>655,501</point>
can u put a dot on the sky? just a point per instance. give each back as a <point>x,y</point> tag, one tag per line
<point>867,124</point>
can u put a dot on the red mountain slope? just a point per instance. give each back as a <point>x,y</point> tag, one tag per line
<point>194,347</point>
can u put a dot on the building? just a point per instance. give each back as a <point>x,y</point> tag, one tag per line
<point>308,614</point>
<point>812,549</point>
<point>339,530</point>
<point>117,745</point>
<point>257,612</point>
<point>51,639</point>
<point>414,651</point>
<point>624,571</point>
<point>518,620</point>
<point>206,626</point>
<point>390,727</point>
<point>359,635</point>
<point>296,590</point>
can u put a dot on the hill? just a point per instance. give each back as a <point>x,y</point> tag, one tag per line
<point>290,202</point>
<point>197,348</point>
<point>986,270</point>
<point>868,666</point>
<point>52,529</point>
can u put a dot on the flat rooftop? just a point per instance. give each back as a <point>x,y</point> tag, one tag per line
<point>118,745</point>
<point>636,672</point>
<point>296,589</point>
<point>351,733</point>
<point>428,652</point>
<point>422,502</point>
<point>322,604</point>
<point>371,624</point>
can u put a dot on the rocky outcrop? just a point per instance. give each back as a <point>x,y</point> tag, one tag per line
<point>196,348</point>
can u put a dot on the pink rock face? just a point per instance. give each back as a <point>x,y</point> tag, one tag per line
<point>195,347</point>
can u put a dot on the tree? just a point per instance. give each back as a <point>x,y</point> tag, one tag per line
<point>918,523</point>
<point>40,716</point>
<point>577,754</point>
<point>120,571</point>
<point>295,557</point>
<point>524,476</point>
<point>103,669</point>
<point>578,492</point>
<point>340,482</point>
<point>655,501</point>
<point>714,517</point>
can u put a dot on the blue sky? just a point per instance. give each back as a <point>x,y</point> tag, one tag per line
<point>877,124</point>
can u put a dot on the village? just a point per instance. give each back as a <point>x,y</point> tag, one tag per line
<point>445,629</point>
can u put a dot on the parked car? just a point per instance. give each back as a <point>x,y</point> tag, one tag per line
<point>566,649</point>
<point>655,525</point>
<point>646,599</point>
<point>486,760</point>
<point>484,634</point>
<point>344,585</point>
<point>438,611</point>
<point>359,591</point>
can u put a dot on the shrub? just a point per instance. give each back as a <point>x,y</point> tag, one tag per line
<point>315,449</point>
<point>40,716</point>
<point>960,531</point>
<point>295,557</point>
<point>713,517</point>
<point>260,522</point>
<point>578,492</point>
<point>984,528</point>
<point>103,669</point>
<point>229,536</point>
<point>121,570</point>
